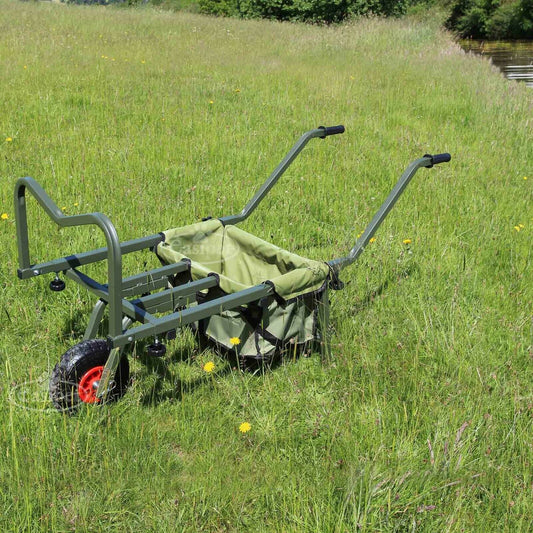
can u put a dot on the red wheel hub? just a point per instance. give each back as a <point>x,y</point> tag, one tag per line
<point>89,383</point>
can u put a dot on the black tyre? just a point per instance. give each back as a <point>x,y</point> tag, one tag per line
<point>75,378</point>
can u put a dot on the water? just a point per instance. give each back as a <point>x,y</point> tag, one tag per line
<point>513,58</point>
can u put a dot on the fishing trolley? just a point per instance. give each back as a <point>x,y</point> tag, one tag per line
<point>241,292</point>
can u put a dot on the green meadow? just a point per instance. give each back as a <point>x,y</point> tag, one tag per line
<point>421,417</point>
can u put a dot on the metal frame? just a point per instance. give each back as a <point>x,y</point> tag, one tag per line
<point>121,296</point>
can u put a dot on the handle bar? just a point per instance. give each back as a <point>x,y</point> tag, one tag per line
<point>321,132</point>
<point>427,161</point>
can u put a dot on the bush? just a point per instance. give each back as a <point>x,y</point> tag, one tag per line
<point>226,8</point>
<point>473,22</point>
<point>525,19</point>
<point>321,11</point>
<point>503,22</point>
<point>492,19</point>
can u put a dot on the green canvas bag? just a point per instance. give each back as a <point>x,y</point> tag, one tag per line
<point>292,319</point>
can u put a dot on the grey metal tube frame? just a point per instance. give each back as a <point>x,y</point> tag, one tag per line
<point>114,292</point>
<point>123,312</point>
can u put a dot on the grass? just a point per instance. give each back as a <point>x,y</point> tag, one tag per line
<point>420,421</point>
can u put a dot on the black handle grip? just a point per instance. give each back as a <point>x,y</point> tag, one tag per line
<point>331,130</point>
<point>438,158</point>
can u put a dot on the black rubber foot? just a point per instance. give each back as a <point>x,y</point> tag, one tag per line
<point>57,285</point>
<point>157,349</point>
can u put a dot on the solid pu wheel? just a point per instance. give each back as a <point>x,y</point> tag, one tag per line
<point>75,378</point>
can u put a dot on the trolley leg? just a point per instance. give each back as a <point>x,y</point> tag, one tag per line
<point>126,323</point>
<point>324,328</point>
<point>94,320</point>
<point>109,371</point>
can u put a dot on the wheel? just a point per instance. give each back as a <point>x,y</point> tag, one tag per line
<point>75,378</point>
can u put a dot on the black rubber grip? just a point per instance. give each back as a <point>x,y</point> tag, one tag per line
<point>441,158</point>
<point>438,158</point>
<point>331,130</point>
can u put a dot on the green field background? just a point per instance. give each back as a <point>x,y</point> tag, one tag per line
<point>421,418</point>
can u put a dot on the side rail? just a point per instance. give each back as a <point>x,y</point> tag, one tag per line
<point>424,162</point>
<point>321,132</point>
<point>113,252</point>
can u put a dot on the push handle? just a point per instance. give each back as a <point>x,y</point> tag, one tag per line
<point>331,130</point>
<point>438,158</point>
<point>427,161</point>
<point>320,132</point>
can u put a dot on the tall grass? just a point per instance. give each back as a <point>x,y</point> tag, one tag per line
<point>420,420</point>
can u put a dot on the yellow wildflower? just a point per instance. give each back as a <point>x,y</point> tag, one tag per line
<point>517,228</point>
<point>237,90</point>
<point>211,102</point>
<point>9,140</point>
<point>407,241</point>
<point>209,367</point>
<point>4,216</point>
<point>245,427</point>
<point>525,177</point>
<point>235,340</point>
<point>373,239</point>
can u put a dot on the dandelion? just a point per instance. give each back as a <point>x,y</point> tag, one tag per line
<point>407,241</point>
<point>4,216</point>
<point>235,341</point>
<point>76,204</point>
<point>143,61</point>
<point>373,239</point>
<point>525,177</point>
<point>25,66</point>
<point>211,102</point>
<point>9,140</point>
<point>245,427</point>
<point>517,228</point>
<point>237,90</point>
<point>209,367</point>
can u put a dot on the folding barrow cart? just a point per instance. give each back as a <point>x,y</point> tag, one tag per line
<point>233,288</point>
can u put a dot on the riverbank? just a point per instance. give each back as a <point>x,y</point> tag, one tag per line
<point>421,417</point>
